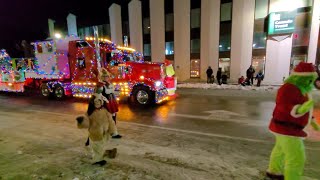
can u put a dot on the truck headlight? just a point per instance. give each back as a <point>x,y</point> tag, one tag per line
<point>158,83</point>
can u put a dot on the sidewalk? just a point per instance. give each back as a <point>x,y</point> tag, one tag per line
<point>233,90</point>
<point>204,85</point>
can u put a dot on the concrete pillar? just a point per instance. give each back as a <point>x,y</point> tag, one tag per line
<point>210,27</point>
<point>157,28</point>
<point>314,32</point>
<point>277,59</point>
<point>72,24</point>
<point>135,25</point>
<point>51,27</point>
<point>241,37</point>
<point>115,24</point>
<point>182,39</point>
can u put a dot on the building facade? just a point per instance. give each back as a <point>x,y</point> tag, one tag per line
<point>230,34</point>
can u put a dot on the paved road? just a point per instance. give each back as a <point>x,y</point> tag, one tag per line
<point>203,134</point>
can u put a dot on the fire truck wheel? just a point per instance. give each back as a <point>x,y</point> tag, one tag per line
<point>58,92</point>
<point>317,83</point>
<point>45,90</point>
<point>142,95</point>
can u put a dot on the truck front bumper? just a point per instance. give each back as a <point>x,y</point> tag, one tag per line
<point>161,95</point>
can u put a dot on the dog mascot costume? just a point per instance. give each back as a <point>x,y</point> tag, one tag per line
<point>293,112</point>
<point>100,125</point>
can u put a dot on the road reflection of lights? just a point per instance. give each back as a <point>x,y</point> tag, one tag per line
<point>80,106</point>
<point>162,112</point>
<point>126,114</point>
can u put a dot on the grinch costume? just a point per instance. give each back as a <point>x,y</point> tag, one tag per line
<point>293,112</point>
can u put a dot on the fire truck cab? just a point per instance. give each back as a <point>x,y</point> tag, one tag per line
<point>143,83</point>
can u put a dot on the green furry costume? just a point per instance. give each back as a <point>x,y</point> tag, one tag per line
<point>293,112</point>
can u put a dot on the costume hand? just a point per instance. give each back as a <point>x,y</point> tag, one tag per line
<point>305,107</point>
<point>315,125</point>
<point>105,99</point>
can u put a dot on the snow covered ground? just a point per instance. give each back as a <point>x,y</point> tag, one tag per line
<point>225,86</point>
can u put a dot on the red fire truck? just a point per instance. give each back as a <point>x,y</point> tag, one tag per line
<point>69,67</point>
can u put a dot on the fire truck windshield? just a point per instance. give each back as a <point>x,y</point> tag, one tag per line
<point>119,72</point>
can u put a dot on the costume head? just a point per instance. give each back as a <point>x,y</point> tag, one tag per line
<point>303,76</point>
<point>101,78</point>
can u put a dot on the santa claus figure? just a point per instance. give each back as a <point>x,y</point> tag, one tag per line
<point>293,112</point>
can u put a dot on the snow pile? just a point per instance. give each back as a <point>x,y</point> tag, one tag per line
<point>225,86</point>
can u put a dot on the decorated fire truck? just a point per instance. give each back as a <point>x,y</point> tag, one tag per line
<point>70,66</point>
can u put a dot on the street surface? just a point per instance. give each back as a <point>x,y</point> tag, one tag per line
<point>203,134</point>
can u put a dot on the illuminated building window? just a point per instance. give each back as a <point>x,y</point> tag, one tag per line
<point>146,26</point>
<point>195,46</point>
<point>258,63</point>
<point>225,11</point>
<point>296,59</point>
<point>195,68</point>
<point>195,18</point>
<point>224,64</point>
<point>169,20</point>
<point>169,48</point>
<point>147,49</point>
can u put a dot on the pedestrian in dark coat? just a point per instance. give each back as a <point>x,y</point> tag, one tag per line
<point>250,74</point>
<point>219,76</point>
<point>209,74</point>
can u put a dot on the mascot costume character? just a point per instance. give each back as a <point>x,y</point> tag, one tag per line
<point>292,113</point>
<point>100,125</point>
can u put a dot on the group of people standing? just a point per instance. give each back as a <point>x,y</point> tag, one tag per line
<point>221,78</point>
<point>250,76</point>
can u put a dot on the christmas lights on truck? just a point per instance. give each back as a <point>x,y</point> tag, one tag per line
<point>70,66</point>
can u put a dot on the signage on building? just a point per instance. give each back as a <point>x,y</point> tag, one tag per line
<point>281,22</point>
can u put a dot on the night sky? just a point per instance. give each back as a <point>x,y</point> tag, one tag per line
<point>28,19</point>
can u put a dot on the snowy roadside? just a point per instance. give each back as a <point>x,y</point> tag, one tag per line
<point>225,86</point>
<point>44,145</point>
<point>233,90</point>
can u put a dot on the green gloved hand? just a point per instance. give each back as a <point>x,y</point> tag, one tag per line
<point>305,107</point>
<point>315,126</point>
